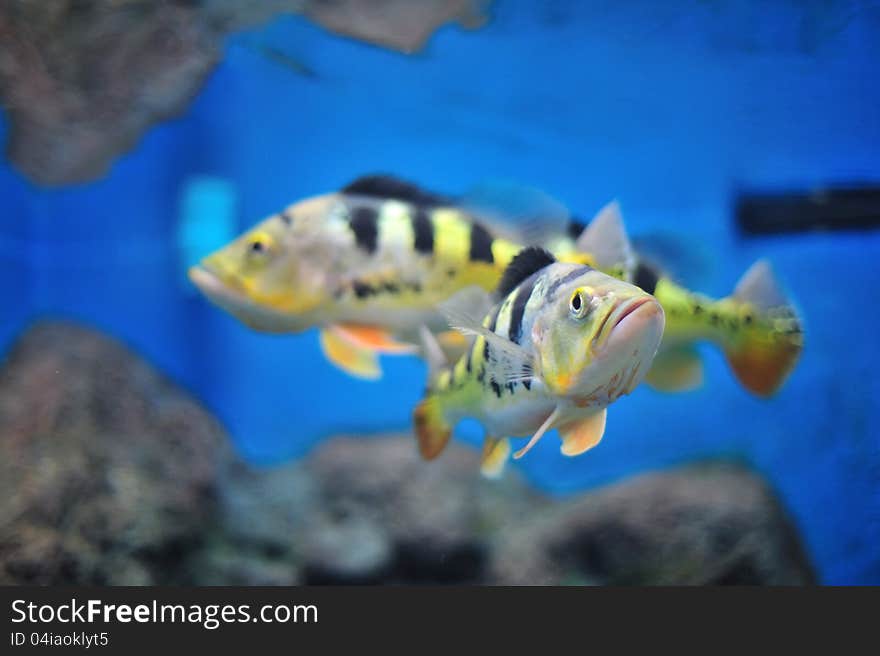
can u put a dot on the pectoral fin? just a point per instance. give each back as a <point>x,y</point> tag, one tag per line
<point>453,344</point>
<point>464,312</point>
<point>583,435</point>
<point>495,455</point>
<point>355,349</point>
<point>676,370</point>
<point>371,337</point>
<point>547,425</point>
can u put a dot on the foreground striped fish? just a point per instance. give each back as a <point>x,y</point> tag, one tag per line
<point>368,265</point>
<point>564,342</point>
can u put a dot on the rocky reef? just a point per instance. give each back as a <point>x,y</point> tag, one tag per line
<point>81,80</point>
<point>109,474</point>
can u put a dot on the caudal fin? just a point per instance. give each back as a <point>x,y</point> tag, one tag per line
<point>432,430</point>
<point>769,343</point>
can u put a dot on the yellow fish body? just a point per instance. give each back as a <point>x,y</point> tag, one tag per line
<point>370,264</point>
<point>562,343</point>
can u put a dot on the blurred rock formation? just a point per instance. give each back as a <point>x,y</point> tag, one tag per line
<point>82,80</point>
<point>107,472</point>
<point>111,475</point>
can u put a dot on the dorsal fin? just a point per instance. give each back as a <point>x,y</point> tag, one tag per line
<point>759,287</point>
<point>381,185</point>
<point>520,213</point>
<point>606,240</point>
<point>525,263</point>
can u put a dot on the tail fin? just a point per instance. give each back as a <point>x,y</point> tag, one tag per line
<point>432,430</point>
<point>763,356</point>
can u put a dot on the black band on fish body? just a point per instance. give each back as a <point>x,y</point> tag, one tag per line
<point>362,290</point>
<point>481,244</point>
<point>363,224</point>
<point>423,231</point>
<point>388,186</point>
<point>646,278</point>
<point>493,322</point>
<point>567,278</point>
<point>523,294</point>
<point>575,227</point>
<point>524,264</point>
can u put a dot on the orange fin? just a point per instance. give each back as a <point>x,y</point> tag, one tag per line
<point>374,338</point>
<point>676,370</point>
<point>583,435</point>
<point>350,356</point>
<point>355,349</point>
<point>432,431</point>
<point>763,367</point>
<point>762,361</point>
<point>495,455</point>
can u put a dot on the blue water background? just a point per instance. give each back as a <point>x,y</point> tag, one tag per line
<point>670,107</point>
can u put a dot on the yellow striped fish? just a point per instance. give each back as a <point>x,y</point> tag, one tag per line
<point>563,343</point>
<point>369,265</point>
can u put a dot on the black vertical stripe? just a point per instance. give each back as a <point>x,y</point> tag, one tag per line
<point>567,278</point>
<point>492,323</point>
<point>646,278</point>
<point>523,294</point>
<point>363,223</point>
<point>575,227</point>
<point>481,244</point>
<point>423,229</point>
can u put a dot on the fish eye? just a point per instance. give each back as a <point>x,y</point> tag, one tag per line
<point>259,245</point>
<point>578,304</point>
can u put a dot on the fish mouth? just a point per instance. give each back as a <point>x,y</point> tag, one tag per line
<point>213,285</point>
<point>226,295</point>
<point>636,329</point>
<point>621,311</point>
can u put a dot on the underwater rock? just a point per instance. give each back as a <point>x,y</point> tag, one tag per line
<point>109,474</point>
<point>107,470</point>
<point>369,510</point>
<point>404,25</point>
<point>82,80</point>
<point>700,525</point>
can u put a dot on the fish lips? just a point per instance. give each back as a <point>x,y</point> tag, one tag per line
<point>635,329</point>
<point>239,305</point>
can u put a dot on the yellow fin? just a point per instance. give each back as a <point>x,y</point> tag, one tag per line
<point>349,356</point>
<point>583,435</point>
<point>495,455</point>
<point>676,370</point>
<point>432,431</point>
<point>355,348</point>
<point>373,338</point>
<point>762,362</point>
<point>453,344</point>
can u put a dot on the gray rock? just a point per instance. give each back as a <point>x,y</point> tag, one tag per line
<point>107,471</point>
<point>111,475</point>
<point>700,525</point>
<point>82,80</point>
<point>440,519</point>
